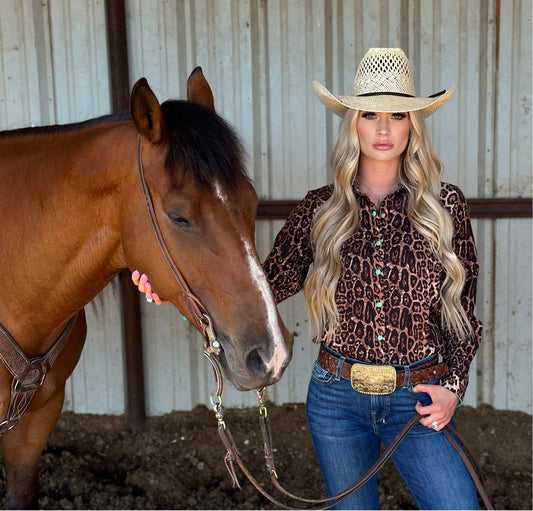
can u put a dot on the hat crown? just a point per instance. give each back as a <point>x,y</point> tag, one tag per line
<point>382,71</point>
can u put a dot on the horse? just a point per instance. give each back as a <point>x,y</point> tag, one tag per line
<point>73,215</point>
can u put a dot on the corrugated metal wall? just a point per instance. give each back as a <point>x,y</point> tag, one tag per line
<point>260,58</point>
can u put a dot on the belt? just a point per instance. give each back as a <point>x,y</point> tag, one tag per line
<point>380,379</point>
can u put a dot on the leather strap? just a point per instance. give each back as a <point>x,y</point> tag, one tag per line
<point>28,374</point>
<point>198,312</point>
<point>233,456</point>
<point>426,372</point>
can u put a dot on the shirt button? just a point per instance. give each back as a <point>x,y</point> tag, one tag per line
<point>378,305</point>
<point>378,272</point>
<point>380,337</point>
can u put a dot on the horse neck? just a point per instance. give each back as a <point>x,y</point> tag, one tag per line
<point>63,220</point>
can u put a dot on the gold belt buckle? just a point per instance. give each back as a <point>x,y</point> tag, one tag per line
<point>377,380</point>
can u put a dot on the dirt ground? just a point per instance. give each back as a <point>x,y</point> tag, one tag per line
<point>176,461</point>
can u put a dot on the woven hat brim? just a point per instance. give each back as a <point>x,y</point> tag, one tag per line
<point>382,103</point>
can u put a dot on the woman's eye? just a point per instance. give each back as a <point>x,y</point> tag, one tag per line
<point>178,220</point>
<point>398,117</point>
<point>369,115</point>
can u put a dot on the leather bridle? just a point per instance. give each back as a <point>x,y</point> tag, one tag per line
<point>199,313</point>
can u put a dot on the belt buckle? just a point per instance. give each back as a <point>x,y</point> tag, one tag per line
<point>377,380</point>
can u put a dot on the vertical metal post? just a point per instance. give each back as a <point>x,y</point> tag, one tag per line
<point>131,311</point>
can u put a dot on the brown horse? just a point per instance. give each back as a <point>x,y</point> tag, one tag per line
<point>72,214</point>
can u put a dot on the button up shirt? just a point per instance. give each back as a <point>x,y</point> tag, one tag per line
<point>388,295</point>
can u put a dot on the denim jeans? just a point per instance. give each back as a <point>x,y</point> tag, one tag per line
<point>347,429</point>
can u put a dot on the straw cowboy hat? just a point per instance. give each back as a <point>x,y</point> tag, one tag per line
<point>383,83</point>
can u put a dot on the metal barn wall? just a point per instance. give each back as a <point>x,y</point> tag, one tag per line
<point>260,58</point>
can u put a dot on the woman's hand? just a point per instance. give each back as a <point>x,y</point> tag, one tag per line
<point>440,411</point>
<point>141,281</point>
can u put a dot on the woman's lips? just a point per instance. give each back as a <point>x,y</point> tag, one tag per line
<point>382,146</point>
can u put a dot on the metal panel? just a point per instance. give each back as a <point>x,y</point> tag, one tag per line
<point>260,58</point>
<point>505,373</point>
<point>79,91</point>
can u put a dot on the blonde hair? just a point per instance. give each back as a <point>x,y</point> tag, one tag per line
<point>338,218</point>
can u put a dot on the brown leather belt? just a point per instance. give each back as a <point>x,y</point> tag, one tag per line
<point>432,370</point>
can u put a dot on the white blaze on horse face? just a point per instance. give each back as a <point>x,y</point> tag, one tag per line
<point>279,355</point>
<point>220,194</point>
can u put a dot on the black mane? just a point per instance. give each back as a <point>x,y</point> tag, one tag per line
<point>204,143</point>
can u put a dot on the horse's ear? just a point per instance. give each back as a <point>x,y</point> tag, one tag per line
<point>146,112</point>
<point>198,90</point>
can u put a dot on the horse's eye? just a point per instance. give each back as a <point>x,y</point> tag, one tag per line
<point>178,220</point>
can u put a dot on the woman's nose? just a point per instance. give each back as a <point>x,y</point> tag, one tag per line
<point>383,126</point>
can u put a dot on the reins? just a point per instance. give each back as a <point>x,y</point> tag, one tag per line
<point>212,349</point>
<point>233,456</point>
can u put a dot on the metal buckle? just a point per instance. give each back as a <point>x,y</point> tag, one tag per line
<point>34,378</point>
<point>8,425</point>
<point>377,380</point>
<point>211,343</point>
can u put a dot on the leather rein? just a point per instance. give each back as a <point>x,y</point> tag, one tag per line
<point>212,349</point>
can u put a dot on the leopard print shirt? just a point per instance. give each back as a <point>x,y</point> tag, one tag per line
<point>388,294</point>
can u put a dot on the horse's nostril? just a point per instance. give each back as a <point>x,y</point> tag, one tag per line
<point>254,361</point>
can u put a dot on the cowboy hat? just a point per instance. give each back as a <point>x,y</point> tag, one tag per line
<point>383,83</point>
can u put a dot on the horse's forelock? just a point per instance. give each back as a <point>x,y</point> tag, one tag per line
<point>201,142</point>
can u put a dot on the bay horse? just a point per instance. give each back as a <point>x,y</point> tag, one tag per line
<point>72,214</point>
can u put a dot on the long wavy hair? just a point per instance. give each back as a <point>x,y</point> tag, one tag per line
<point>337,220</point>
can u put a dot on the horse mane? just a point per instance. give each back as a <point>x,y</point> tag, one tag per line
<point>205,144</point>
<point>58,129</point>
<point>199,141</point>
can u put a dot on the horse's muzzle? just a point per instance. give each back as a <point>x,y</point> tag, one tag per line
<point>255,366</point>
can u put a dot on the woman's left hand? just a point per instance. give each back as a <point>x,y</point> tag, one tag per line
<point>440,412</point>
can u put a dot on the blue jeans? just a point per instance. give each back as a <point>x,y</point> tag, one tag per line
<point>347,429</point>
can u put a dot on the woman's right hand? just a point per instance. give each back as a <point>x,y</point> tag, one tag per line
<point>141,281</point>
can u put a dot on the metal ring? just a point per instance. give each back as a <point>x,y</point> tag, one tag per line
<point>435,424</point>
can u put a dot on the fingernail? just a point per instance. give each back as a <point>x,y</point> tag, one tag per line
<point>135,273</point>
<point>144,277</point>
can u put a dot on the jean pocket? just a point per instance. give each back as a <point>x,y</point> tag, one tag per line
<point>320,375</point>
<point>432,382</point>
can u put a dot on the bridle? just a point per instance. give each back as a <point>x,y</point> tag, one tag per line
<point>199,313</point>
<point>212,350</point>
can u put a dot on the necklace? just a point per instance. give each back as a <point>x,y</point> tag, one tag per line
<point>377,196</point>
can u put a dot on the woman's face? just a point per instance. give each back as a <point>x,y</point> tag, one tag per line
<point>383,137</point>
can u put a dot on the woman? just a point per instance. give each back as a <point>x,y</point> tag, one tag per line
<point>387,261</point>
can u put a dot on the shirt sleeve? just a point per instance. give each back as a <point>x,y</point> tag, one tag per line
<point>460,353</point>
<point>287,264</point>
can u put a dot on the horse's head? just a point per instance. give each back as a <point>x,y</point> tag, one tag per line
<point>205,206</point>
